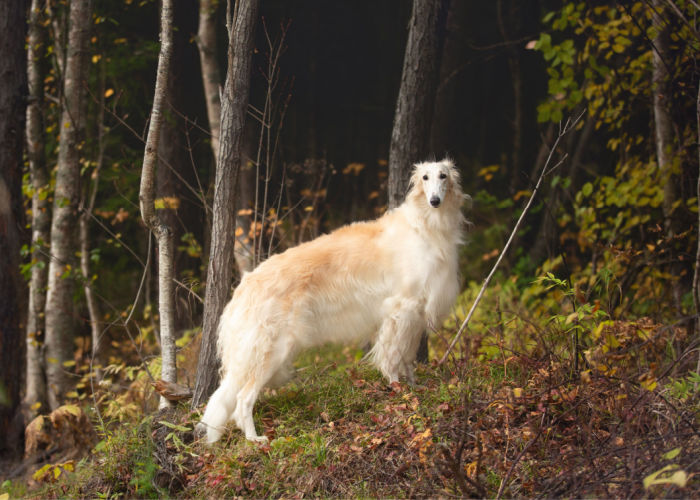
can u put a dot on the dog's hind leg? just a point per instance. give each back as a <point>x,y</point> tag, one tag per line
<point>274,365</point>
<point>219,410</point>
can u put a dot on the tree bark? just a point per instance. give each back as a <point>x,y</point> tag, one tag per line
<point>61,281</point>
<point>35,397</point>
<point>175,172</point>
<point>84,230</point>
<point>516,83</point>
<point>241,30</point>
<point>166,302</point>
<point>414,107</point>
<point>443,134</point>
<point>211,79</point>
<point>663,128</point>
<point>211,76</point>
<point>13,91</point>
<point>696,275</point>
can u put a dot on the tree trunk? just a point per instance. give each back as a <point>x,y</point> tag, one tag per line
<point>84,230</point>
<point>162,232</point>
<point>516,83</point>
<point>13,91</point>
<point>663,128</point>
<point>546,241</point>
<point>241,30</point>
<point>211,76</point>
<point>61,283</point>
<point>696,275</point>
<point>35,397</point>
<point>414,107</point>
<point>443,134</point>
<point>175,172</point>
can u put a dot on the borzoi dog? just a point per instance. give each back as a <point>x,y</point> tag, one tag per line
<point>383,281</point>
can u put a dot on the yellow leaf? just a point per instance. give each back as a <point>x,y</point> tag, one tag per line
<point>39,474</point>
<point>73,410</point>
<point>664,476</point>
<point>109,92</point>
<point>4,496</point>
<point>353,168</point>
<point>649,384</point>
<point>68,364</point>
<point>518,392</point>
<point>96,58</point>
<point>599,329</point>
<point>166,202</point>
<point>521,194</point>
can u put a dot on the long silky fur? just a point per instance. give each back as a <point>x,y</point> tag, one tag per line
<point>381,282</point>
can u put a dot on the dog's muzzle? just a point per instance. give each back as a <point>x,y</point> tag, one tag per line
<point>435,201</point>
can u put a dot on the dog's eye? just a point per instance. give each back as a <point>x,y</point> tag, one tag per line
<point>425,177</point>
<point>443,175</point>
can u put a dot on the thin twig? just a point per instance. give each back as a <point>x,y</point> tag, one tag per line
<point>562,132</point>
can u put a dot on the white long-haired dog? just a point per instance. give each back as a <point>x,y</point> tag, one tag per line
<point>382,281</point>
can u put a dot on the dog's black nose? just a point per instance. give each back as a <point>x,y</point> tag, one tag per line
<point>435,201</point>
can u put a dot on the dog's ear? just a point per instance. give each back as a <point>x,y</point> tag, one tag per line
<point>455,178</point>
<point>414,184</point>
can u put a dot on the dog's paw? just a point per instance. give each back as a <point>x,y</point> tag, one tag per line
<point>258,439</point>
<point>200,431</point>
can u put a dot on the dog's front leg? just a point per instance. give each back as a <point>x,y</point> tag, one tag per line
<point>395,350</point>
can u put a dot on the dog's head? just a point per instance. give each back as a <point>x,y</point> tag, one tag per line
<point>437,181</point>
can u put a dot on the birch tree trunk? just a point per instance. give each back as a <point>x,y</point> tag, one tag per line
<point>13,91</point>
<point>35,390</point>
<point>166,302</point>
<point>241,28</point>
<point>414,107</point>
<point>61,282</point>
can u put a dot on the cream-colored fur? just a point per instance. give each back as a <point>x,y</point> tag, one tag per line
<point>383,281</point>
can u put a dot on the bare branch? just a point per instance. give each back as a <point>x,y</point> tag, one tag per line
<point>562,132</point>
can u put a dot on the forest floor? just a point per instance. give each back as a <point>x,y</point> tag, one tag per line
<point>511,426</point>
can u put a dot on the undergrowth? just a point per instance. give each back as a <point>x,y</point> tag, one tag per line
<point>549,395</point>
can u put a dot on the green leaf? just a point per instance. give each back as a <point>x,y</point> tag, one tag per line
<point>672,454</point>
<point>664,476</point>
<point>169,425</point>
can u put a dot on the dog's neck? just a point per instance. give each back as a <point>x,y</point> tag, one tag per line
<point>445,222</point>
